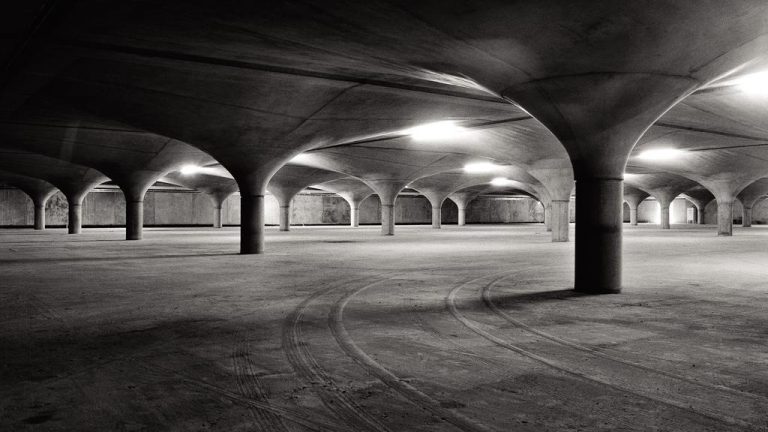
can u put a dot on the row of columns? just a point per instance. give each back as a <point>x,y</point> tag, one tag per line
<point>724,215</point>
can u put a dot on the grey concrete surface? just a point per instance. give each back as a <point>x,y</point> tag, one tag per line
<point>338,329</point>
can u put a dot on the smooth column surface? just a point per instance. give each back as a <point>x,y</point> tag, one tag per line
<point>700,215</point>
<point>354,216</point>
<point>285,217</point>
<point>462,216</point>
<point>548,217</point>
<point>134,220</point>
<point>725,217</point>
<point>598,235</point>
<point>388,219</point>
<point>746,220</point>
<point>75,218</point>
<point>633,215</point>
<point>559,220</point>
<point>436,217</point>
<point>217,216</point>
<point>40,216</point>
<point>251,224</point>
<point>664,222</point>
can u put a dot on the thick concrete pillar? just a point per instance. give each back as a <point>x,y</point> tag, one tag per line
<point>354,210</point>
<point>285,216</point>
<point>40,214</point>
<point>251,224</point>
<point>700,215</point>
<point>134,219</point>
<point>462,216</point>
<point>75,218</point>
<point>387,190</point>
<point>217,220</point>
<point>134,192</point>
<point>436,217</point>
<point>746,220</point>
<point>632,215</point>
<point>560,210</point>
<point>548,216</point>
<point>388,218</point>
<point>725,216</point>
<point>598,235</point>
<point>354,215</point>
<point>664,221</point>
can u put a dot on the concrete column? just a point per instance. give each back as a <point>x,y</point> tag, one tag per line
<point>285,216</point>
<point>598,235</point>
<point>559,220</point>
<point>251,223</point>
<point>387,219</point>
<point>462,216</point>
<point>700,215</point>
<point>664,221</point>
<point>436,217</point>
<point>632,215</point>
<point>217,223</point>
<point>75,217</point>
<point>40,215</point>
<point>354,215</point>
<point>134,219</point>
<point>548,216</point>
<point>725,217</point>
<point>746,220</point>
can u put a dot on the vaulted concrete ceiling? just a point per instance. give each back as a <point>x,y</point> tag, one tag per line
<point>267,81</point>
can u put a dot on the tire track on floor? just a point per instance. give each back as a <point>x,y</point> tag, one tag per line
<point>477,327</point>
<point>250,386</point>
<point>308,369</point>
<point>298,417</point>
<point>392,381</point>
<point>488,301</point>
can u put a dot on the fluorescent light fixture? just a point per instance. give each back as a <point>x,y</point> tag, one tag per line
<point>301,158</point>
<point>480,167</point>
<point>661,154</point>
<point>756,83</point>
<point>435,131</point>
<point>191,169</point>
<point>501,181</point>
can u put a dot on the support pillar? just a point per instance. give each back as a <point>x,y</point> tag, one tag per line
<point>462,216</point>
<point>632,215</point>
<point>75,217</point>
<point>134,219</point>
<point>548,216</point>
<point>700,215</point>
<point>40,214</point>
<point>560,210</point>
<point>387,190</point>
<point>436,217</point>
<point>251,224</point>
<point>387,219</point>
<point>664,221</point>
<point>598,235</point>
<point>217,219</point>
<point>285,216</point>
<point>746,220</point>
<point>725,217</point>
<point>354,215</point>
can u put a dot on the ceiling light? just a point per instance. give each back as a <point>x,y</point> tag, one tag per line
<point>660,154</point>
<point>480,167</point>
<point>190,169</point>
<point>756,83</point>
<point>435,131</point>
<point>501,181</point>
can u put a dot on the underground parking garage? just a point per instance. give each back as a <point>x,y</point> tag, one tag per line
<point>383,216</point>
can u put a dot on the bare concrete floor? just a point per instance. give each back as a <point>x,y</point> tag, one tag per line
<point>339,329</point>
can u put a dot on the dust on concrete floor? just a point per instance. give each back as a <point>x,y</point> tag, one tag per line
<point>340,329</point>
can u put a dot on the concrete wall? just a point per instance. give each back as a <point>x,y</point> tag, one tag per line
<point>106,207</point>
